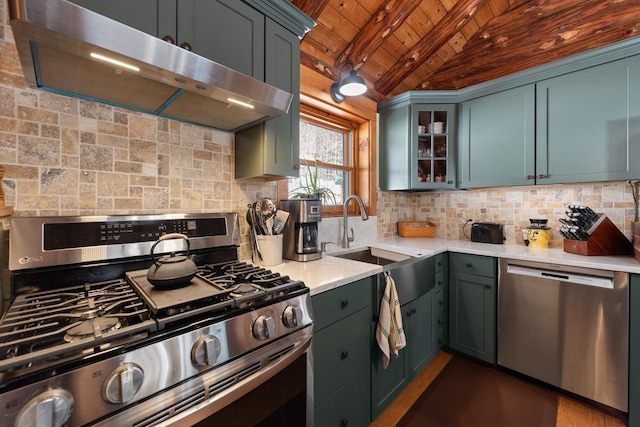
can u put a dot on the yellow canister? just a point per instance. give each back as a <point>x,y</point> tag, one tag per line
<point>539,238</point>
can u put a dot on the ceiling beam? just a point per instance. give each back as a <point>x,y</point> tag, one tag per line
<point>390,16</point>
<point>534,41</point>
<point>441,33</point>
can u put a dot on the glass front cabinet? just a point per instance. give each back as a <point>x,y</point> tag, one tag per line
<point>417,147</point>
<point>432,146</point>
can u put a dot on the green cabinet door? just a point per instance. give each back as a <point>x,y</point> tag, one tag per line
<point>588,124</point>
<point>143,15</point>
<point>228,32</point>
<point>394,152</point>
<point>420,333</point>
<point>634,350</point>
<point>387,383</point>
<point>497,139</point>
<point>472,296</point>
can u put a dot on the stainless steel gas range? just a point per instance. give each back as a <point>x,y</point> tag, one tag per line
<point>87,340</point>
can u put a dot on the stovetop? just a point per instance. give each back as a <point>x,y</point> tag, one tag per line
<point>46,328</point>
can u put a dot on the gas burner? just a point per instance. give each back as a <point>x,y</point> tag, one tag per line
<point>244,289</point>
<point>96,326</point>
<point>88,310</point>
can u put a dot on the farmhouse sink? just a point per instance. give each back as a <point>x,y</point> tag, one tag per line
<point>372,256</point>
<point>413,276</point>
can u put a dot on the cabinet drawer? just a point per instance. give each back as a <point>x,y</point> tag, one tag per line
<point>347,407</point>
<point>473,264</point>
<point>340,352</point>
<point>331,306</point>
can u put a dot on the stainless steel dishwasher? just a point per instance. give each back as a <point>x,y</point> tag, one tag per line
<point>566,326</point>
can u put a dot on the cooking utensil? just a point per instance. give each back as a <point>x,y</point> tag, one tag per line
<point>251,219</point>
<point>172,270</point>
<point>279,221</point>
<point>265,209</point>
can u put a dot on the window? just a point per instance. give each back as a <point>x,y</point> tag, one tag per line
<point>341,145</point>
<point>331,146</point>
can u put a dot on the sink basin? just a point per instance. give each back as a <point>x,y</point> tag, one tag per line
<point>373,256</point>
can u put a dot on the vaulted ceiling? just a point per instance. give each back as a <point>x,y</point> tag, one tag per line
<point>402,45</point>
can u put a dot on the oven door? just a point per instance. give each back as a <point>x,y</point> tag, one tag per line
<point>267,387</point>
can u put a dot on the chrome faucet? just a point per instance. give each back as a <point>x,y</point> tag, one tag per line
<point>345,237</point>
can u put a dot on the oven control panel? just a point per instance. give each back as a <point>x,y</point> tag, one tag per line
<point>46,241</point>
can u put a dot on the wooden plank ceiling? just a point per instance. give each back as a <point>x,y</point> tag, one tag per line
<point>402,45</point>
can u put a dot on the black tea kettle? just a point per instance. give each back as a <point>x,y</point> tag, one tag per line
<point>173,270</point>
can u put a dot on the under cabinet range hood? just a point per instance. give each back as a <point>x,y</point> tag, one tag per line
<point>67,49</point>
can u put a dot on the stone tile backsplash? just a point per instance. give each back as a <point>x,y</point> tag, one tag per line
<point>510,206</point>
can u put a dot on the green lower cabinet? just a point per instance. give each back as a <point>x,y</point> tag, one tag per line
<point>386,384</point>
<point>472,306</point>
<point>634,350</point>
<point>341,352</point>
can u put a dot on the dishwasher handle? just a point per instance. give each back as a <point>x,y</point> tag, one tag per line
<point>570,277</point>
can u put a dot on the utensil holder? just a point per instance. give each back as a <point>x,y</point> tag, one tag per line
<point>606,239</point>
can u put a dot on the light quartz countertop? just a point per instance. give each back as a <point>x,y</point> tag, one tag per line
<point>331,272</point>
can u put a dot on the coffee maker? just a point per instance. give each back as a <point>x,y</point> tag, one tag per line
<point>301,230</point>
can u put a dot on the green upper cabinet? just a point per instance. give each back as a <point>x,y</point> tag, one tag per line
<point>581,126</point>
<point>271,149</point>
<point>588,124</point>
<point>497,139</point>
<point>417,146</point>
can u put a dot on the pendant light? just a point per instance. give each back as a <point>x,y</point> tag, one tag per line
<point>352,85</point>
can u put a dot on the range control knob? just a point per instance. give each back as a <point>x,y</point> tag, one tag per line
<point>49,409</point>
<point>264,327</point>
<point>292,316</point>
<point>123,383</point>
<point>205,351</point>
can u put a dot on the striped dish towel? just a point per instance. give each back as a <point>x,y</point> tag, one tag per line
<point>389,332</point>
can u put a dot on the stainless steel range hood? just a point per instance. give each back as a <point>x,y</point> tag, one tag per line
<point>56,40</point>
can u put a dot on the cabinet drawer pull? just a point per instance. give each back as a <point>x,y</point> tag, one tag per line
<point>344,355</point>
<point>542,176</point>
<point>408,313</point>
<point>344,303</point>
<point>413,311</point>
<point>186,46</point>
<point>529,177</point>
<point>468,265</point>
<point>344,423</point>
<point>169,39</point>
<point>440,302</point>
<point>487,286</point>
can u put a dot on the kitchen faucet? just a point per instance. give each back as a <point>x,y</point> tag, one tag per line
<point>345,237</point>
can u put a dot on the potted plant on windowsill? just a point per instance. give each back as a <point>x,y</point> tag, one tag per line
<point>310,188</point>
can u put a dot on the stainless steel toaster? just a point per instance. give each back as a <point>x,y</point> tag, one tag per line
<point>487,232</point>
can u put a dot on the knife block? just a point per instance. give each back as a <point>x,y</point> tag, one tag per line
<point>606,239</point>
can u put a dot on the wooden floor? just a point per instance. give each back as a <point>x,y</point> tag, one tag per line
<point>571,413</point>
